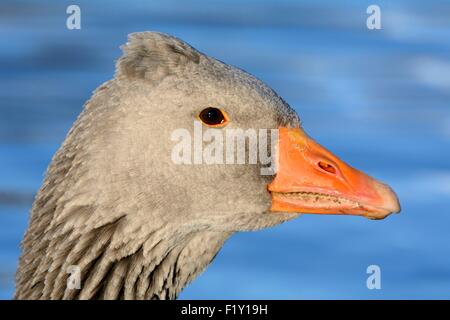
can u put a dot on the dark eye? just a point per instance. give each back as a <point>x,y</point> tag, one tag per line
<point>213,117</point>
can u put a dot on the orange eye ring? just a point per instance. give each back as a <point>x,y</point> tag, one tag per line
<point>213,117</point>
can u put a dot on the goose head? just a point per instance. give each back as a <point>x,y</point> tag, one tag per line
<point>165,162</point>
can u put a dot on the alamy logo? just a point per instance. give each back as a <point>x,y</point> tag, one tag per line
<point>226,146</point>
<point>373,22</point>
<point>73,21</point>
<point>374,280</point>
<point>74,279</point>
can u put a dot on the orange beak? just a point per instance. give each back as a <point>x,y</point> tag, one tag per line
<point>310,179</point>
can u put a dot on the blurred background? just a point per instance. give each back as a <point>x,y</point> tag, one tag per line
<point>380,99</point>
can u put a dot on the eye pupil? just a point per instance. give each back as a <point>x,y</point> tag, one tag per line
<point>212,116</point>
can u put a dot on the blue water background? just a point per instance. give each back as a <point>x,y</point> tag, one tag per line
<point>379,99</point>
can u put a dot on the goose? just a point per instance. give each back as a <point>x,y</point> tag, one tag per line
<point>138,225</point>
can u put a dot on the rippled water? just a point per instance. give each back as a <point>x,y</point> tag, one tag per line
<point>379,99</point>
